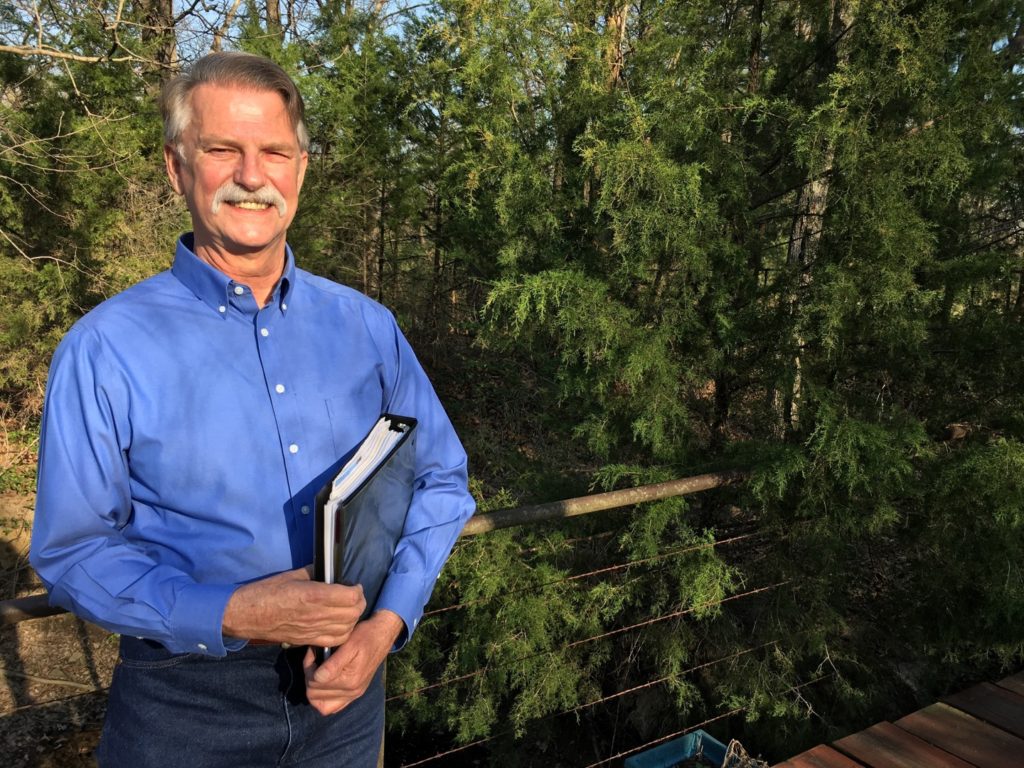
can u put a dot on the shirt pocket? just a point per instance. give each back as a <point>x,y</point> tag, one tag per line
<point>351,417</point>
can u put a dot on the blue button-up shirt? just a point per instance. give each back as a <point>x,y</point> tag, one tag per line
<point>186,431</point>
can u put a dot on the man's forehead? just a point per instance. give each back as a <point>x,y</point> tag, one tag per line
<point>217,95</point>
<point>225,105</point>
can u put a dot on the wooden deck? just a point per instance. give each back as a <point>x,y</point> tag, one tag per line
<point>982,727</point>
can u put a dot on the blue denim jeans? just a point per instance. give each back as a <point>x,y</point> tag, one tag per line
<point>246,710</point>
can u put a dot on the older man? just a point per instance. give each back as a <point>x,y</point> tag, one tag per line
<point>189,422</point>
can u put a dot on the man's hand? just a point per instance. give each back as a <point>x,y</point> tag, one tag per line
<point>347,673</point>
<point>289,608</point>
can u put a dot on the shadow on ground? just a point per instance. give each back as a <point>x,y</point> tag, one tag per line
<point>59,734</point>
<point>54,671</point>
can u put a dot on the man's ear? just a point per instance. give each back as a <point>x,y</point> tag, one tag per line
<point>173,162</point>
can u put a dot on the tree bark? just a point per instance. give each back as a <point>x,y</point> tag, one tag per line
<point>754,60</point>
<point>808,227</point>
<point>615,53</point>
<point>158,35</point>
<point>274,26</point>
<point>381,251</point>
<point>229,18</point>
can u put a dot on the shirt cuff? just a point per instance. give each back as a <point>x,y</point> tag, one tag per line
<point>402,594</point>
<point>197,618</point>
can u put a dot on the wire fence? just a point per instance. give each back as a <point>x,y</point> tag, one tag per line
<point>596,572</point>
<point>12,612</point>
<point>577,643</point>
<point>589,704</point>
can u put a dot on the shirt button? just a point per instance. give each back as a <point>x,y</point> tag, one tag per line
<point>293,448</point>
<point>279,389</point>
<point>283,305</point>
<point>201,646</point>
<point>264,332</point>
<point>222,309</point>
<point>239,290</point>
<point>305,509</point>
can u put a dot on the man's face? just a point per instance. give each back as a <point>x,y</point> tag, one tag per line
<point>241,172</point>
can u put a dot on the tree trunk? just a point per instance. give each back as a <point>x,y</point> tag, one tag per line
<point>754,60</point>
<point>229,18</point>
<point>274,26</point>
<point>158,35</point>
<point>615,53</point>
<point>366,250</point>
<point>808,227</point>
<point>381,251</point>
<point>434,296</point>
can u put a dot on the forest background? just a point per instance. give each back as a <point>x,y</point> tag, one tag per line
<point>630,242</point>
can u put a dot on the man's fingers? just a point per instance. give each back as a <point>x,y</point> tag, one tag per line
<point>328,706</point>
<point>333,636</point>
<point>338,595</point>
<point>329,673</point>
<point>308,663</point>
<point>290,608</point>
<point>332,670</point>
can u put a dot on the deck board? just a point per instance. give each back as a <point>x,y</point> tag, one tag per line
<point>966,737</point>
<point>1013,683</point>
<point>885,745</point>
<point>998,706</point>
<point>981,727</point>
<point>821,756</point>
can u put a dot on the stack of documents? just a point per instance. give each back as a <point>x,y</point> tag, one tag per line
<point>360,513</point>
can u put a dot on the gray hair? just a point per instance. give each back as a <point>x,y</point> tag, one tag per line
<point>229,68</point>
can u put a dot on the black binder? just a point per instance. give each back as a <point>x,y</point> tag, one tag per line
<point>360,512</point>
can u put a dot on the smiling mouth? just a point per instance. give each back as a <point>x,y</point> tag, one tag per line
<point>250,205</point>
<point>243,199</point>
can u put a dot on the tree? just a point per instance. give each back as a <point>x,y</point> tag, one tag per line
<point>638,240</point>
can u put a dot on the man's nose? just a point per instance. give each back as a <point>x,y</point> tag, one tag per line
<point>249,172</point>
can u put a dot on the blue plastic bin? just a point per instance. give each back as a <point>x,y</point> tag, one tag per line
<point>677,750</point>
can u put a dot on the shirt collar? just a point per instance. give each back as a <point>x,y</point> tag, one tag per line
<point>212,286</point>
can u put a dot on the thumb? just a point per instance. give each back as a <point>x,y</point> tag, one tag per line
<point>336,663</point>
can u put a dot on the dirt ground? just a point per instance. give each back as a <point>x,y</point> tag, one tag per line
<point>54,670</point>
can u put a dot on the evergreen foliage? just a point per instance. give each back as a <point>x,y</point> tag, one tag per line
<point>631,241</point>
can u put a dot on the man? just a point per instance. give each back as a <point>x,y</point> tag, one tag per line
<point>188,424</point>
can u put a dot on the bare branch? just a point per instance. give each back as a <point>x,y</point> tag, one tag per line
<point>53,53</point>
<point>223,30</point>
<point>188,12</point>
<point>39,25</point>
<point>117,18</point>
<point>34,194</point>
<point>14,245</point>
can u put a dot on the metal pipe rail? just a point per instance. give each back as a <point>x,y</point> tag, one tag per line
<point>37,606</point>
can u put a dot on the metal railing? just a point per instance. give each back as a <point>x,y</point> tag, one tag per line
<point>21,609</point>
<point>17,610</point>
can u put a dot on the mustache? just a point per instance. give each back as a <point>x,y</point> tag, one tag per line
<point>230,192</point>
